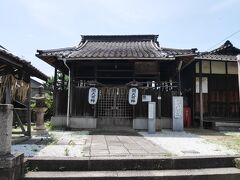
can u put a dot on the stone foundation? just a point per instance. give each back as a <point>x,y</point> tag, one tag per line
<point>75,122</point>
<point>11,167</point>
<point>142,123</point>
<point>91,123</point>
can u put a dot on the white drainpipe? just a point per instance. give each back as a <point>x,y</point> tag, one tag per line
<point>69,92</point>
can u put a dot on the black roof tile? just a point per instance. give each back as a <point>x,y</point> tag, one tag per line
<point>116,47</point>
<point>33,71</point>
<point>226,52</point>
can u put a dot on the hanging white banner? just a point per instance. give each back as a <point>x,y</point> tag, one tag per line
<point>92,95</point>
<point>133,96</point>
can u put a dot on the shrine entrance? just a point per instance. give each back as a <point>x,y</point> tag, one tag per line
<point>113,109</point>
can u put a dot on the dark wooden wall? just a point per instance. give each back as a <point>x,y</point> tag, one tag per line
<point>222,99</point>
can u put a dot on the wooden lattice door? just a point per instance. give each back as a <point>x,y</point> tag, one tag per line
<point>113,109</point>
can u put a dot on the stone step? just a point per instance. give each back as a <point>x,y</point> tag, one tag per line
<point>95,164</point>
<point>227,126</point>
<point>186,174</point>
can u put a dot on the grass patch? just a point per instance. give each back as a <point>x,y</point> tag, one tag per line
<point>66,151</point>
<point>49,125</point>
<point>71,142</point>
<point>237,163</point>
<point>52,140</point>
<point>227,139</point>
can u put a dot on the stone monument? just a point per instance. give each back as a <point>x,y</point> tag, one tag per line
<point>40,110</point>
<point>11,165</point>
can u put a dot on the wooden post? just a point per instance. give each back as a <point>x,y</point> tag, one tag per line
<point>55,92</point>
<point>63,80</point>
<point>201,94</point>
<point>159,104</point>
<point>8,99</point>
<point>238,61</point>
<point>179,83</point>
<point>71,94</point>
<point>179,77</point>
<point>29,110</point>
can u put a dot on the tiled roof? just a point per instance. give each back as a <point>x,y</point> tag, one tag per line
<point>226,49</point>
<point>226,52</point>
<point>116,47</point>
<point>179,52</point>
<point>217,57</point>
<point>27,65</point>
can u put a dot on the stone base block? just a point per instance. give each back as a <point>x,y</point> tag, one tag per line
<point>75,122</point>
<point>83,122</point>
<point>142,123</point>
<point>40,132</point>
<point>11,167</point>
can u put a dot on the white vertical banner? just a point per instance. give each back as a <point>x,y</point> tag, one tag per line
<point>92,95</point>
<point>133,96</point>
<point>238,61</point>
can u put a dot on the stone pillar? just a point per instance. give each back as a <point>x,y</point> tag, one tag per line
<point>6,118</point>
<point>11,165</point>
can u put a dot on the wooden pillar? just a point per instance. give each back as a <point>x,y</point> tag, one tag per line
<point>63,80</point>
<point>179,78</point>
<point>238,61</point>
<point>159,98</point>
<point>29,109</point>
<point>8,99</point>
<point>201,94</point>
<point>179,83</point>
<point>55,93</point>
<point>71,94</point>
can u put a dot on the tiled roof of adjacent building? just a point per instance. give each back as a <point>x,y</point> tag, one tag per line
<point>116,47</point>
<point>10,58</point>
<point>226,52</point>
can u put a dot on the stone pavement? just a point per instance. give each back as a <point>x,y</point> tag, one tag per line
<point>111,144</point>
<point>106,145</point>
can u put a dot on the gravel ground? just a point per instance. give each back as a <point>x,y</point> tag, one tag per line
<point>187,144</point>
<point>72,144</point>
<point>59,144</point>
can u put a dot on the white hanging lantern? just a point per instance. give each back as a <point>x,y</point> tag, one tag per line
<point>92,95</point>
<point>133,96</point>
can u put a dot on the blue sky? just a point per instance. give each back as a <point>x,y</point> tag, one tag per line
<point>28,25</point>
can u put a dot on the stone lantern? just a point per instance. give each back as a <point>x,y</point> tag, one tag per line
<point>40,110</point>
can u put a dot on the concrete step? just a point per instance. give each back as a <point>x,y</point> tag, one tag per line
<point>95,164</point>
<point>189,174</point>
<point>227,126</point>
